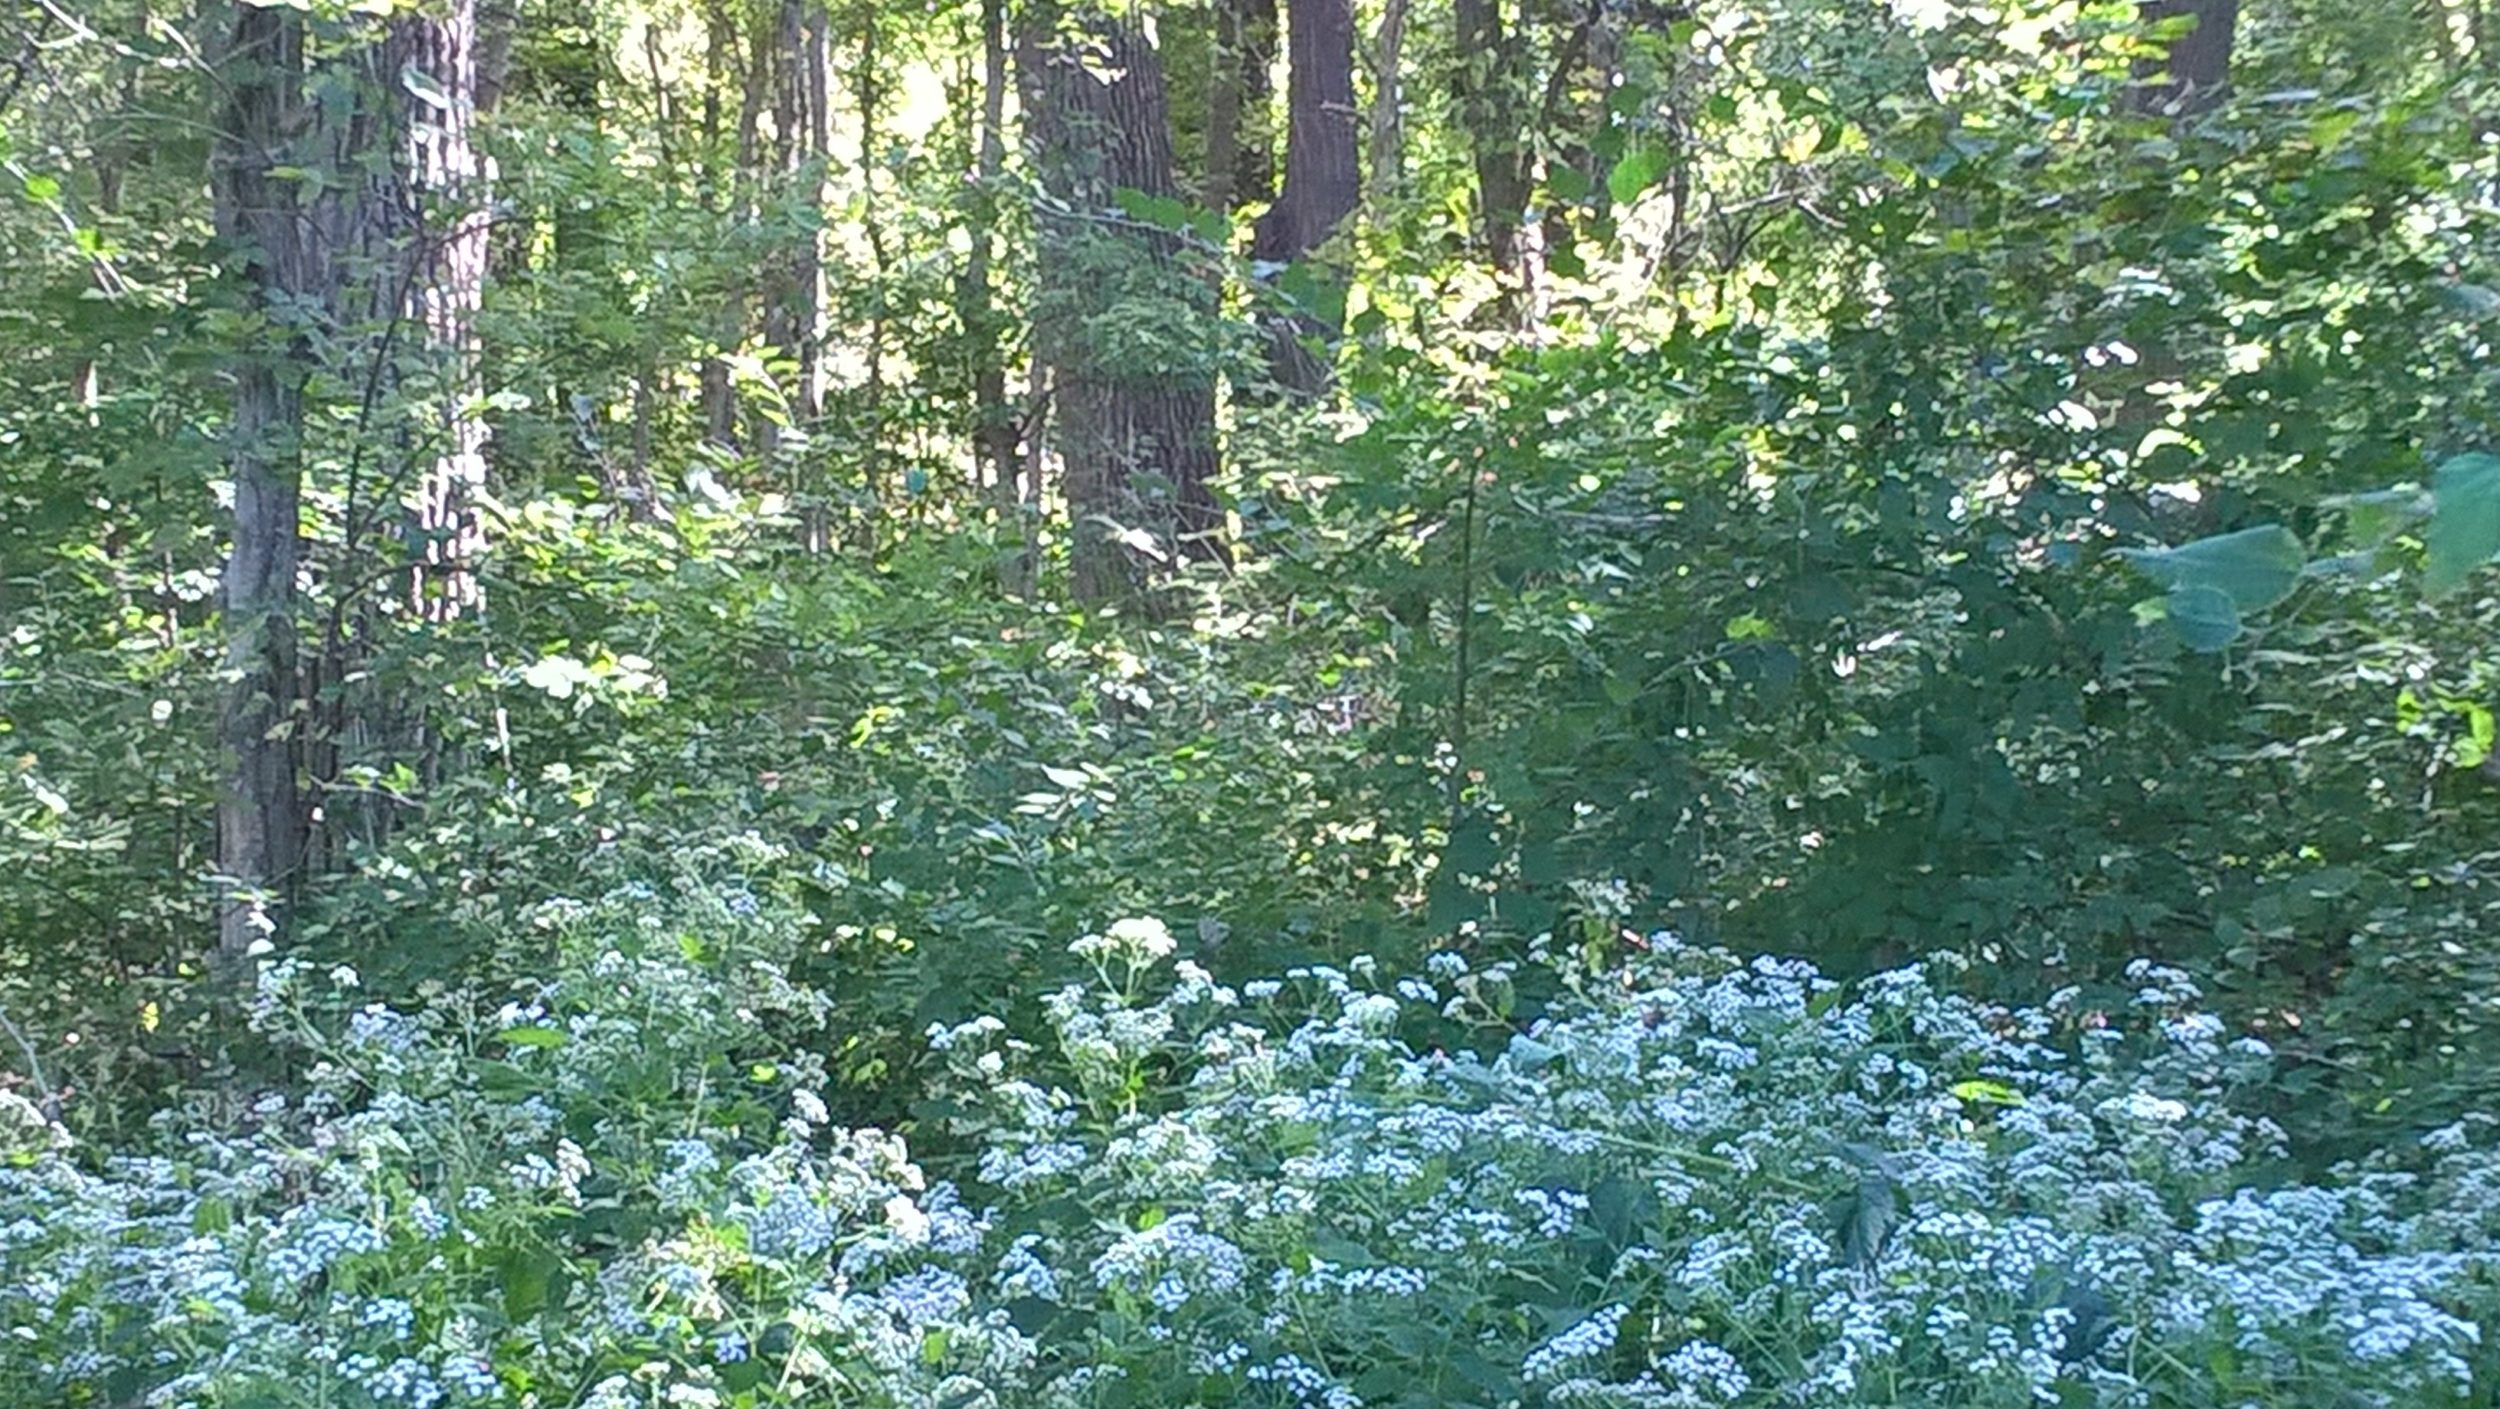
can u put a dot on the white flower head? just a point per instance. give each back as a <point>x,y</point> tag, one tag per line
<point>907,1219</point>
<point>1138,941</point>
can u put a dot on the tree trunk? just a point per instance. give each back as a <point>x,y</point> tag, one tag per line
<point>984,332</point>
<point>402,214</point>
<point>816,94</point>
<point>1323,178</point>
<point>1388,130</point>
<point>871,99</point>
<point>430,59</point>
<point>1241,143</point>
<point>260,813</point>
<point>2198,70</point>
<point>720,395</point>
<point>1137,433</point>
<point>1492,102</point>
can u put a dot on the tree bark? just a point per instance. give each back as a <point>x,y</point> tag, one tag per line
<point>1241,144</point>
<point>1388,127</point>
<point>261,820</point>
<point>720,395</point>
<point>402,221</point>
<point>871,96</point>
<point>984,331</point>
<point>1492,102</point>
<point>1137,424</point>
<point>2197,71</point>
<point>1323,177</point>
<point>430,61</point>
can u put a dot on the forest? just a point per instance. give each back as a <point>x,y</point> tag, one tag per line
<point>1249,704</point>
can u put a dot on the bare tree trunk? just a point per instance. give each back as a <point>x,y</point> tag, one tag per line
<point>984,331</point>
<point>783,150</point>
<point>871,101</point>
<point>2198,70</point>
<point>1241,145</point>
<point>720,397</point>
<point>1137,440</point>
<point>260,813</point>
<point>497,22</point>
<point>432,57</point>
<point>1388,129</point>
<point>1323,177</point>
<point>816,95</point>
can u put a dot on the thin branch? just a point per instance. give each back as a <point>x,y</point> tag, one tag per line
<point>34,1068</point>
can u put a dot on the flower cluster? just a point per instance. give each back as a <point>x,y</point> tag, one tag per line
<point>1698,1182</point>
<point>1711,1182</point>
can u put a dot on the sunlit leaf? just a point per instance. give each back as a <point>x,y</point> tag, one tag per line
<point>2464,531</point>
<point>2254,567</point>
<point>2205,617</point>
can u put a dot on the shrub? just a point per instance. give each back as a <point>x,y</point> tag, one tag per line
<point>1687,1181</point>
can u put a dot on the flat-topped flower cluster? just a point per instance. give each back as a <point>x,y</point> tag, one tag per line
<point>1686,1181</point>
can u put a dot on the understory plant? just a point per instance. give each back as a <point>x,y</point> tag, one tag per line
<point>1670,1180</point>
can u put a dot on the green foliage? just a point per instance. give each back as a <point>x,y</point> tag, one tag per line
<point>1909,499</point>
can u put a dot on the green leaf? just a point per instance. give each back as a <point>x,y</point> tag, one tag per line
<point>2473,300</point>
<point>2254,567</point>
<point>1472,850</point>
<point>1639,169</point>
<point>2464,531</point>
<point>2373,517</point>
<point>424,87</point>
<point>2205,617</point>
<point>1314,290</point>
<point>532,1037</point>
<point>1986,1093</point>
<point>1528,1054</point>
<point>1864,1217</point>
<point>527,1279</point>
<point>1343,1252</point>
<point>1162,212</point>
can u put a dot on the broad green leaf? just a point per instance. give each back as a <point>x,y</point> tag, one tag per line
<point>2473,300</point>
<point>2464,532</point>
<point>2374,516</point>
<point>532,1037</point>
<point>1864,1217</point>
<point>2205,617</point>
<point>1639,169</point>
<point>2254,567</point>
<point>1528,1054</point>
<point>528,1277</point>
<point>424,88</point>
<point>1162,212</point>
<point>1472,850</point>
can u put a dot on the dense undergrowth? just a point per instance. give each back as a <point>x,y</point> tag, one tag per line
<point>1876,789</point>
<point>1675,1180</point>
